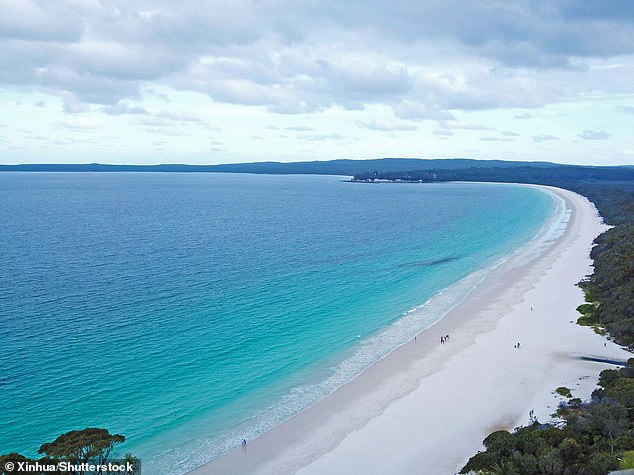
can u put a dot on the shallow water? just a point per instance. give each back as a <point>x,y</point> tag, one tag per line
<point>187,311</point>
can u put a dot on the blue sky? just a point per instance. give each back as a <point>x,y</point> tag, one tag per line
<point>220,82</point>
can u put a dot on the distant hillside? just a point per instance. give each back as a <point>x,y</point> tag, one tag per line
<point>553,175</point>
<point>330,167</point>
<point>350,167</point>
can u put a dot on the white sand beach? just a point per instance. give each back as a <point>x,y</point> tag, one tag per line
<point>427,407</point>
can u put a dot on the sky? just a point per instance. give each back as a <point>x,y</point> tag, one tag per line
<point>146,82</point>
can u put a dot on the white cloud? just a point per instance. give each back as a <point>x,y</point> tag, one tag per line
<point>304,57</point>
<point>297,128</point>
<point>443,133</point>
<point>123,107</point>
<point>463,125</point>
<point>460,64</point>
<point>594,135</point>
<point>544,138</point>
<point>81,123</point>
<point>496,139</point>
<point>319,137</point>
<point>385,125</point>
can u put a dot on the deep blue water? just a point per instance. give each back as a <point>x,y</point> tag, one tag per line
<point>188,310</point>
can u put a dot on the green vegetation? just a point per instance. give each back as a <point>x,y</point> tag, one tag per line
<point>597,437</point>
<point>563,391</point>
<point>91,445</point>
<point>82,445</point>
<point>627,460</point>
<point>610,289</point>
<point>559,175</point>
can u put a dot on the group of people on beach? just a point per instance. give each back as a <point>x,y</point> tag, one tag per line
<point>443,339</point>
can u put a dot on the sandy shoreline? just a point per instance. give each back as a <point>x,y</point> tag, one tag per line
<point>426,407</point>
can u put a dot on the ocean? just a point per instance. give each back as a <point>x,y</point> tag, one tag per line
<point>189,311</point>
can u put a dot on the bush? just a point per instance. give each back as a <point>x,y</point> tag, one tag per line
<point>480,461</point>
<point>586,320</point>
<point>586,309</point>
<point>500,442</point>
<point>563,391</point>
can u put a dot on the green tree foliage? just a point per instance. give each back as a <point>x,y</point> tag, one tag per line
<point>563,391</point>
<point>594,436</point>
<point>557,175</point>
<point>610,419</point>
<point>506,467</point>
<point>92,445</point>
<point>501,442</point>
<point>82,445</point>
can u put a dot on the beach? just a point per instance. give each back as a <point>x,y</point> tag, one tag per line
<point>427,406</point>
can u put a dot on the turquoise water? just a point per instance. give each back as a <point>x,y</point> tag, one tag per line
<point>187,311</point>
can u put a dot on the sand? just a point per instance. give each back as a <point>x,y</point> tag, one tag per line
<point>426,407</point>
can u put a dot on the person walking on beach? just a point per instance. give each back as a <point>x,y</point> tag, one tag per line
<point>442,340</point>
<point>244,443</point>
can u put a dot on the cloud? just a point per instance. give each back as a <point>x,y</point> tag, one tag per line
<point>594,135</point>
<point>544,138</point>
<point>295,128</point>
<point>181,116</point>
<point>626,109</point>
<point>524,115</point>
<point>414,110</point>
<point>72,105</point>
<point>423,59</point>
<point>516,33</point>
<point>123,107</point>
<point>46,21</point>
<point>385,125</point>
<point>298,80</point>
<point>509,133</point>
<point>443,133</point>
<point>496,139</point>
<point>79,123</point>
<point>165,121</point>
<point>320,137</point>
<point>463,125</point>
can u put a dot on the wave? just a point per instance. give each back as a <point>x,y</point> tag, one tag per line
<point>367,352</point>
